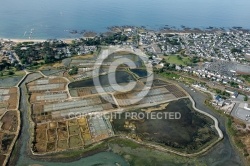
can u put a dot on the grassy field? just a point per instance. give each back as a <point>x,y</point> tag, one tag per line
<point>173,59</point>
<point>49,66</point>
<point>87,56</point>
<point>5,73</point>
<point>19,73</point>
<point>169,75</point>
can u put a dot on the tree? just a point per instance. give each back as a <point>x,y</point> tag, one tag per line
<point>73,70</point>
<point>218,91</point>
<point>11,72</point>
<point>179,57</point>
<point>236,50</point>
<point>18,67</point>
<point>166,64</point>
<point>163,60</point>
<point>195,59</point>
<point>234,84</point>
<point>49,59</point>
<point>182,52</point>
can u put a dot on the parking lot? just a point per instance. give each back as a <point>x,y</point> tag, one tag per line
<point>241,113</point>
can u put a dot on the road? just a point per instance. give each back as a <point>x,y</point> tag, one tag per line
<point>212,84</point>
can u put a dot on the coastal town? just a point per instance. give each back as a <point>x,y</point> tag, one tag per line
<point>57,80</point>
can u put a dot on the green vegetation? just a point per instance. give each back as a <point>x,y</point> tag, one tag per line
<point>207,102</point>
<point>12,71</point>
<point>245,98</point>
<point>82,152</point>
<point>236,50</point>
<point>8,69</point>
<point>195,59</point>
<point>4,65</point>
<point>168,75</point>
<point>36,54</point>
<point>133,153</point>
<point>33,54</point>
<point>234,84</point>
<point>137,154</point>
<point>231,130</point>
<point>125,143</point>
<point>178,60</point>
<point>223,94</point>
<point>173,41</point>
<point>73,70</point>
<point>246,78</point>
<point>110,39</point>
<point>235,135</point>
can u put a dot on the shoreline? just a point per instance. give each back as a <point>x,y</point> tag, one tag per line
<point>16,40</point>
<point>164,29</point>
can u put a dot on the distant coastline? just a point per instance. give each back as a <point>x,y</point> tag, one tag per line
<point>35,40</point>
<point>66,19</point>
<point>166,29</point>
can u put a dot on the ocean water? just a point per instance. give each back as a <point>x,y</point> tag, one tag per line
<point>44,19</point>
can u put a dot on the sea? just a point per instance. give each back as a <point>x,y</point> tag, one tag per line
<point>50,19</point>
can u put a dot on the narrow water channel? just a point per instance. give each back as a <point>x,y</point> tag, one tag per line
<point>223,154</point>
